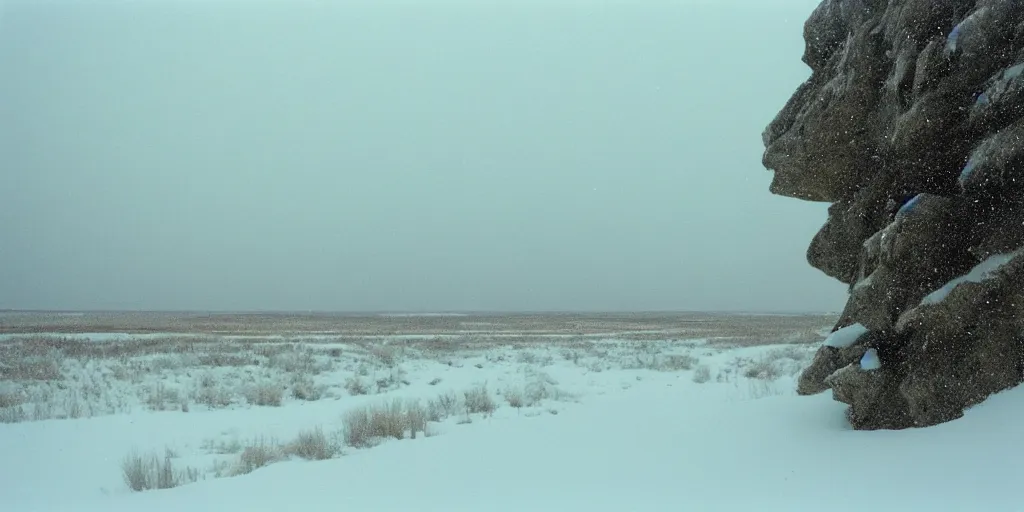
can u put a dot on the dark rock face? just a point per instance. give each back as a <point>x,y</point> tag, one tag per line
<point>912,126</point>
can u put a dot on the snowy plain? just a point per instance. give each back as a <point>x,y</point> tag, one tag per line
<point>613,425</point>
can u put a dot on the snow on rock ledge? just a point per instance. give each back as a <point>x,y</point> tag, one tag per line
<point>979,273</point>
<point>845,337</point>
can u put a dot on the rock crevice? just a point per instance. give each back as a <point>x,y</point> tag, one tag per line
<point>912,126</point>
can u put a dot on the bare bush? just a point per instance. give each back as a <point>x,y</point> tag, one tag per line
<point>677,362</point>
<point>443,407</point>
<point>794,352</point>
<point>73,407</point>
<point>478,400</point>
<point>303,388</point>
<point>527,357</point>
<point>434,413</point>
<point>702,374</point>
<point>11,399</point>
<point>541,386</point>
<point>43,409</point>
<point>758,389</point>
<point>388,356</point>
<point>385,384</point>
<point>13,414</point>
<point>161,398</point>
<point>763,369</point>
<point>270,350</point>
<point>299,360</point>
<point>265,394</point>
<point>664,362</point>
<point>146,472</point>
<point>571,355</point>
<point>447,404</point>
<point>161,363</point>
<point>356,386</point>
<point>209,392</point>
<point>223,359</point>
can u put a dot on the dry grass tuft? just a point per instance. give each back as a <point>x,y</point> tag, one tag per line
<point>664,362</point>
<point>258,453</point>
<point>514,398</point>
<point>44,367</point>
<point>13,415</point>
<point>763,369</point>
<point>147,472</point>
<point>443,407</point>
<point>757,389</point>
<point>777,362</point>
<point>416,417</point>
<point>299,360</point>
<point>313,445</point>
<point>367,426</point>
<point>702,374</point>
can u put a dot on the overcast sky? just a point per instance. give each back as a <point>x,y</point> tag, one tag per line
<point>489,155</point>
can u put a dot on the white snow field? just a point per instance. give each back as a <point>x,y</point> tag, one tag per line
<point>610,425</point>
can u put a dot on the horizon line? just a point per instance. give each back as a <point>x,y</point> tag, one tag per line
<point>423,312</point>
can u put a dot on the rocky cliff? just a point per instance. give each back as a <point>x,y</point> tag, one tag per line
<point>912,127</point>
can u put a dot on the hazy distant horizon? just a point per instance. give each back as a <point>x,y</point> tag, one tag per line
<point>396,156</point>
<point>409,313</point>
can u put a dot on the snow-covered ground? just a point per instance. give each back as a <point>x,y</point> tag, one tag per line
<point>588,425</point>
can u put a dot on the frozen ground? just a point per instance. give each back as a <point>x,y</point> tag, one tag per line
<point>576,424</point>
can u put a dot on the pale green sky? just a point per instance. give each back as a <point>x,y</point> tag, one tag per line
<point>494,155</point>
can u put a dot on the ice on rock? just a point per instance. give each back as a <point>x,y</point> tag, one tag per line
<point>1006,80</point>
<point>909,206</point>
<point>867,281</point>
<point>965,174</point>
<point>870,360</point>
<point>1013,72</point>
<point>953,39</point>
<point>846,336</point>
